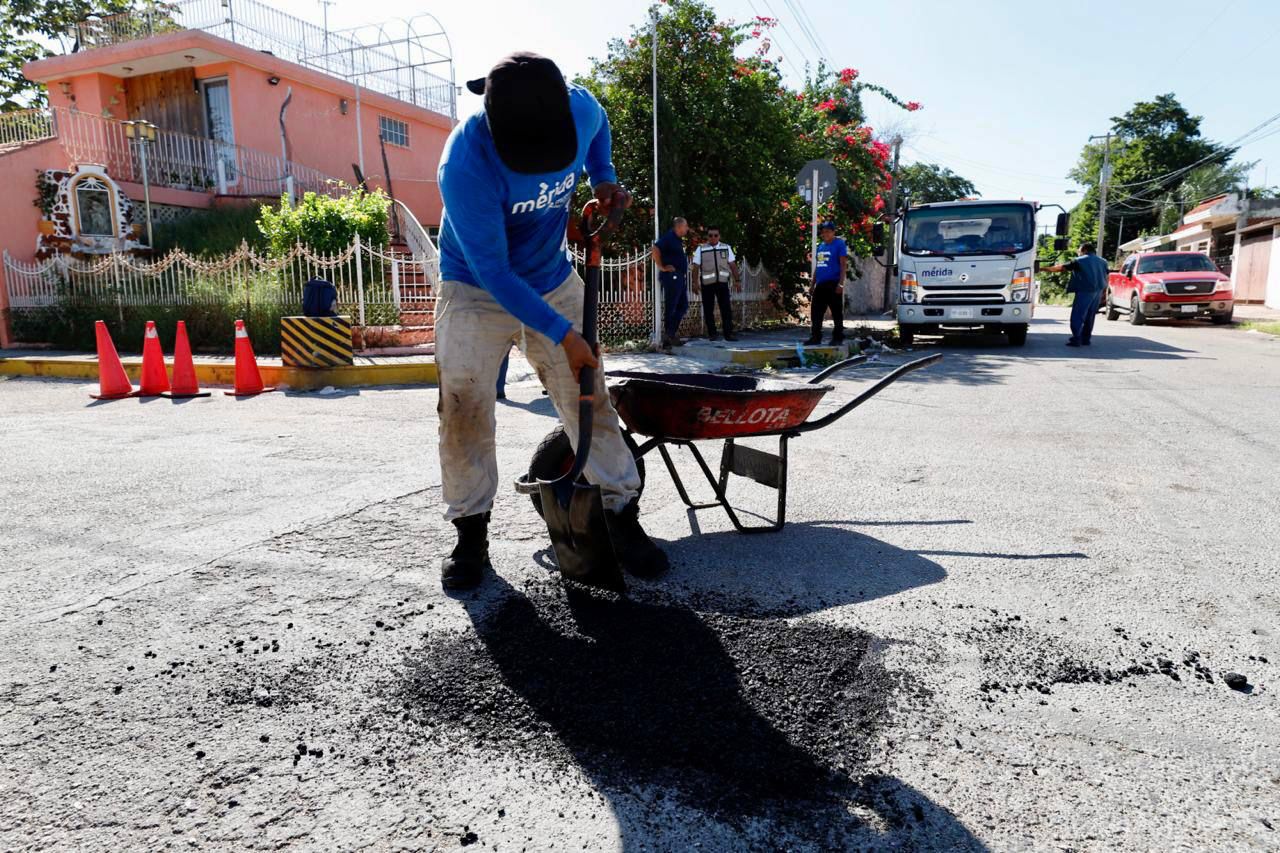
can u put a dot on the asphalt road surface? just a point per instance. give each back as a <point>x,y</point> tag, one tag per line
<point>1000,617</point>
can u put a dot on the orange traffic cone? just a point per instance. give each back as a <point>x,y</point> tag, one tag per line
<point>113,383</point>
<point>155,379</point>
<point>185,383</point>
<point>248,379</point>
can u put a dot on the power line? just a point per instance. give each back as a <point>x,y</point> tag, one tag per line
<point>795,43</point>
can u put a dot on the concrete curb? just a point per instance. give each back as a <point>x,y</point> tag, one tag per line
<point>223,373</point>
<point>757,356</point>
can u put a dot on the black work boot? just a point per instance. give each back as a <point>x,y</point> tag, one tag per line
<point>636,551</point>
<point>466,564</point>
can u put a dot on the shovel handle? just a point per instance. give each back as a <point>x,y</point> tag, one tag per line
<point>587,375</point>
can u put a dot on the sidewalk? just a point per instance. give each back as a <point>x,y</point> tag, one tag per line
<point>220,370</point>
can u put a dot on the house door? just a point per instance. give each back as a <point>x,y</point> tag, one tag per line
<point>217,112</point>
<point>1252,263</point>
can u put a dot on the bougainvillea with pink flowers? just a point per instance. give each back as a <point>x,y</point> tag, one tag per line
<point>733,134</point>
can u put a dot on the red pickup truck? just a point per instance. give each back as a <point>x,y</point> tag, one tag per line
<point>1169,286</point>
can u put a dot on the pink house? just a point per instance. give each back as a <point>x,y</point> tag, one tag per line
<point>247,103</point>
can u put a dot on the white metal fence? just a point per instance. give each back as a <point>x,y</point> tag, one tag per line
<point>376,286</point>
<point>627,293</point>
<point>23,126</point>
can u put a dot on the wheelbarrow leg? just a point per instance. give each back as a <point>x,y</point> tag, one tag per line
<point>757,466</point>
<point>675,477</point>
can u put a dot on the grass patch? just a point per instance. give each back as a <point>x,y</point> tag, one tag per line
<point>1271,328</point>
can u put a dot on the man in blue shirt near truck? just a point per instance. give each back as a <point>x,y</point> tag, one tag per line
<point>1088,282</point>
<point>832,264</point>
<point>507,176</point>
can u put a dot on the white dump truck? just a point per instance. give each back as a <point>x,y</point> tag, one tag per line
<point>967,265</point>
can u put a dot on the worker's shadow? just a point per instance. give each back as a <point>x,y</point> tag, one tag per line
<point>711,730</point>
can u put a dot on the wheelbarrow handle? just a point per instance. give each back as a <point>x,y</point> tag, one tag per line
<point>837,367</point>
<point>809,426</point>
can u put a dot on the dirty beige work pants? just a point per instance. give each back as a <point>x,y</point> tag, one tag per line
<point>473,335</point>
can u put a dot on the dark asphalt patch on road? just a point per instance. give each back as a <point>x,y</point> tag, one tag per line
<point>732,715</point>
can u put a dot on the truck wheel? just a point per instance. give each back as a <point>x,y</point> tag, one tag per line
<point>554,457</point>
<point>1224,319</point>
<point>906,334</point>
<point>1113,313</point>
<point>1135,312</point>
<point>1017,335</point>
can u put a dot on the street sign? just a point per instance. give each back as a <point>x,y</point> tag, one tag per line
<point>826,181</point>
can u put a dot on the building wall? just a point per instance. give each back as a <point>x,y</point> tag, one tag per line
<point>1273,275</point>
<point>320,134</point>
<point>19,217</point>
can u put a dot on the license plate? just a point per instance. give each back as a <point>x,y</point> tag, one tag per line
<point>1190,309</point>
<point>962,313</point>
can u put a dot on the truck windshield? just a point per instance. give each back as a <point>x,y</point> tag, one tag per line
<point>979,229</point>
<point>1176,263</point>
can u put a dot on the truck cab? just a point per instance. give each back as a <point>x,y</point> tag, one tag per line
<point>1169,286</point>
<point>967,265</point>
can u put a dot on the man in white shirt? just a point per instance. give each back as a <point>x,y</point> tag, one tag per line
<point>716,266</point>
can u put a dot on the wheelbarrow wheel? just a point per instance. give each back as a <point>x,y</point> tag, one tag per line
<point>554,457</point>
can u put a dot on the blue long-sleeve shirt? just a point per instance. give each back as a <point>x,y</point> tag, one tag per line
<point>505,231</point>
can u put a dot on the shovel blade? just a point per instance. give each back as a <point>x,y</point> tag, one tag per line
<point>580,537</point>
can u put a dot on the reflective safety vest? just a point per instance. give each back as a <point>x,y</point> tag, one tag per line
<point>714,263</point>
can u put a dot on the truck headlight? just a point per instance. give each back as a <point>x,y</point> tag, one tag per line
<point>910,287</point>
<point>1021,294</point>
<point>1223,286</point>
<point>1022,277</point>
<point>1153,287</point>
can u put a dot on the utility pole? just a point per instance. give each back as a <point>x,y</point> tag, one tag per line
<point>1104,178</point>
<point>893,212</point>
<point>656,340</point>
<point>1120,236</point>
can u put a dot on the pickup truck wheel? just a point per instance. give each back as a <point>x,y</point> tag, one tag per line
<point>1224,319</point>
<point>1135,312</point>
<point>906,334</point>
<point>1017,335</point>
<point>554,457</point>
<point>1112,312</point>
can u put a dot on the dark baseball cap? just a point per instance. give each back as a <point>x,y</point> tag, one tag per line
<point>824,226</point>
<point>526,104</point>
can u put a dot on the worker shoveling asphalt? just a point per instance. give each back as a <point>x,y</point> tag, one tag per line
<point>507,176</point>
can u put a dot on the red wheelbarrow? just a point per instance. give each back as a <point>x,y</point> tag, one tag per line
<point>679,409</point>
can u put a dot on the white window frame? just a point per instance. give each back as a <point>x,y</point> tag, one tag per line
<point>393,131</point>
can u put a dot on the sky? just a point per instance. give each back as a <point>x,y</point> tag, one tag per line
<point>1011,90</point>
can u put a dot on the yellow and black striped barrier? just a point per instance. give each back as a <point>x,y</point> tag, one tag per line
<point>315,341</point>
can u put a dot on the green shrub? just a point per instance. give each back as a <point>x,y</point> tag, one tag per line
<point>326,224</point>
<point>210,233</point>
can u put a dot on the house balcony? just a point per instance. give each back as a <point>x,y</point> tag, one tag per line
<point>175,160</point>
<point>410,61</point>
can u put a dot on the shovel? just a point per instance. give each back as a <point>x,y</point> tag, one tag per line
<point>574,511</point>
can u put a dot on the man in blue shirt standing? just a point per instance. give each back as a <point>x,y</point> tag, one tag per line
<point>673,271</point>
<point>832,264</point>
<point>507,176</point>
<point>1088,282</point>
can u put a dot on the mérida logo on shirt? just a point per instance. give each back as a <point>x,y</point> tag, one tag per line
<point>549,196</point>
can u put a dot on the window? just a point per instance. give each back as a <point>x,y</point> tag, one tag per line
<point>95,213</point>
<point>1176,263</point>
<point>393,131</point>
<point>981,229</point>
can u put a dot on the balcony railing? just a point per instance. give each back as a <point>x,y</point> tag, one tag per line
<point>180,160</point>
<point>23,126</point>
<point>410,60</point>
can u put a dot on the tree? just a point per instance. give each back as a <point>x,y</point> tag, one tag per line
<point>1154,146</point>
<point>733,136</point>
<point>28,29</point>
<point>926,182</point>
